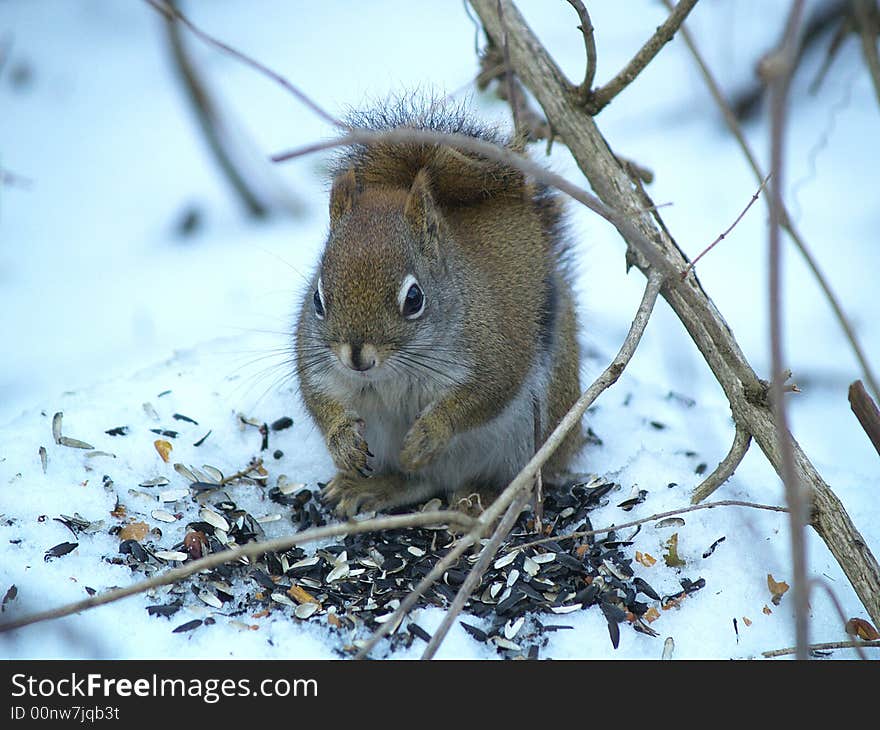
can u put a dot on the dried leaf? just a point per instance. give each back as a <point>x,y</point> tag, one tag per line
<point>651,615</point>
<point>301,595</point>
<point>861,628</point>
<point>164,448</point>
<point>134,531</point>
<point>747,621</point>
<point>118,511</point>
<point>766,609</point>
<point>334,620</point>
<point>645,559</point>
<point>671,556</point>
<point>777,589</point>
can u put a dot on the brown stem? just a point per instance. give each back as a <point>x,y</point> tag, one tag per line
<point>778,68</point>
<point>866,411</point>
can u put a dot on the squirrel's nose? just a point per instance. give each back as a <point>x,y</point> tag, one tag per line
<point>360,357</point>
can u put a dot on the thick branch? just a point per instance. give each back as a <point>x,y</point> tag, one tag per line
<point>602,96</point>
<point>746,393</point>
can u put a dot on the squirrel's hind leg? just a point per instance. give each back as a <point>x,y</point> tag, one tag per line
<point>349,493</point>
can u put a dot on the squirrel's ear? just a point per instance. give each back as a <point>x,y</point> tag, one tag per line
<point>422,214</point>
<point>343,194</point>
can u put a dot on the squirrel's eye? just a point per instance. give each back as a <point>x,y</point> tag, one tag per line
<point>319,306</point>
<point>413,301</point>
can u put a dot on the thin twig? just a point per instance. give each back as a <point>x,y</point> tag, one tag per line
<point>257,463</point>
<point>251,550</point>
<point>209,118</point>
<point>652,518</point>
<point>586,28</point>
<point>869,27</point>
<point>734,126</point>
<point>741,441</point>
<point>824,647</point>
<point>440,567</point>
<point>777,69</point>
<point>476,573</point>
<point>602,96</point>
<point>171,13</point>
<point>727,231</point>
<point>866,411</point>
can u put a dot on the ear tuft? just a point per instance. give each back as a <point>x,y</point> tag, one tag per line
<point>343,194</point>
<point>422,213</point>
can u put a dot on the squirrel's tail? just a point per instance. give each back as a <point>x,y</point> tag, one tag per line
<point>457,178</point>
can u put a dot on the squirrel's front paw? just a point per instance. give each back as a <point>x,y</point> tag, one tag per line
<point>425,440</point>
<point>348,447</point>
<point>349,494</point>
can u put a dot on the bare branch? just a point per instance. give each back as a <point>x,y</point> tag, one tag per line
<point>209,117</point>
<point>735,129</point>
<point>652,518</point>
<point>727,231</point>
<point>866,411</point>
<point>249,551</point>
<point>476,573</point>
<point>602,96</point>
<point>823,647</point>
<point>586,27</point>
<point>741,441</point>
<point>171,13</point>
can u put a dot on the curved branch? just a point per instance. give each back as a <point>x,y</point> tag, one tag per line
<point>586,27</point>
<point>742,439</point>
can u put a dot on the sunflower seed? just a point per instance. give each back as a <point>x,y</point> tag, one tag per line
<point>210,599</point>
<point>512,627</point>
<point>265,519</point>
<point>56,426</point>
<point>505,560</point>
<point>155,482</point>
<point>503,643</point>
<point>171,555</point>
<point>43,458</point>
<point>286,601</point>
<point>338,573</point>
<point>669,522</point>
<point>184,472</point>
<point>668,648</point>
<point>304,610</point>
<point>163,515</point>
<point>542,558</point>
<point>512,577</point>
<point>566,609</point>
<point>213,472</point>
<point>74,443</point>
<point>214,518</point>
<point>150,411</point>
<point>530,566</point>
<point>172,495</point>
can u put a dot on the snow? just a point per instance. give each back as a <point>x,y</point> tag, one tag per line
<point>103,307</point>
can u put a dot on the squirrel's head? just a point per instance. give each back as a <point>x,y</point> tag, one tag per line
<point>381,296</point>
